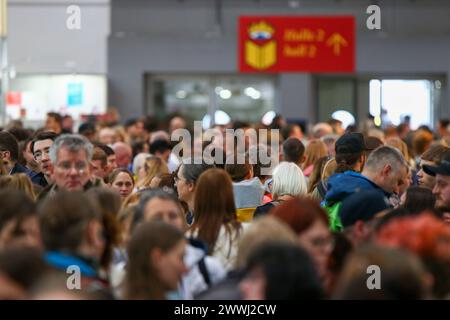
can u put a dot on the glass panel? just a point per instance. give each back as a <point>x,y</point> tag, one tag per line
<point>401,98</point>
<point>375,97</point>
<point>187,96</point>
<point>241,97</point>
<point>335,94</point>
<point>245,99</point>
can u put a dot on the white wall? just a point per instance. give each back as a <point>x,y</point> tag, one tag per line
<point>42,94</point>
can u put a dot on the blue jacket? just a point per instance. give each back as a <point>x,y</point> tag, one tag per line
<point>36,178</point>
<point>341,185</point>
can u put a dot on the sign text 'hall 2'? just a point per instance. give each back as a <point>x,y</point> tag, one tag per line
<point>297,44</point>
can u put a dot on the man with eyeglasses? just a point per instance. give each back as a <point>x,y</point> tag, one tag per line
<point>40,147</point>
<point>70,155</point>
<point>9,155</point>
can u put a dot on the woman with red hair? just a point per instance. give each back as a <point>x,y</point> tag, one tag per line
<point>424,235</point>
<point>429,238</point>
<point>310,223</point>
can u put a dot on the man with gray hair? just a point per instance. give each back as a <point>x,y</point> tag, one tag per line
<point>70,155</point>
<point>385,170</point>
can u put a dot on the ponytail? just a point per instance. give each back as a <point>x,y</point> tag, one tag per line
<point>347,162</point>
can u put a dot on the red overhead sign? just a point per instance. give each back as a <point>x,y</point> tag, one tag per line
<point>297,44</point>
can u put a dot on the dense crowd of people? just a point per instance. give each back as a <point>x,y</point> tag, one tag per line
<point>111,211</point>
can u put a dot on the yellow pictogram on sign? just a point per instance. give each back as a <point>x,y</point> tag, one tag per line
<point>336,41</point>
<point>260,55</point>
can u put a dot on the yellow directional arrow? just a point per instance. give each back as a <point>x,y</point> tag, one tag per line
<point>336,40</point>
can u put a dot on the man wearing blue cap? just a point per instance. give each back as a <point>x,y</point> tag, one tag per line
<point>359,211</point>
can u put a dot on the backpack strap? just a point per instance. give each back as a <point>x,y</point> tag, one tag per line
<point>322,189</point>
<point>204,271</point>
<point>333,216</point>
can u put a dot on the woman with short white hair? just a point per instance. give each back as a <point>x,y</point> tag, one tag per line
<point>288,182</point>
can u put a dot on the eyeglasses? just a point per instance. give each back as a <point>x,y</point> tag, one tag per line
<point>67,166</point>
<point>39,154</point>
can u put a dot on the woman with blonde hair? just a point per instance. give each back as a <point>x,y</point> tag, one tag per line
<point>320,189</point>
<point>315,150</point>
<point>316,175</point>
<point>18,181</point>
<point>120,133</point>
<point>153,167</point>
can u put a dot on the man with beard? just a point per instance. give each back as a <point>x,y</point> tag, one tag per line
<point>442,187</point>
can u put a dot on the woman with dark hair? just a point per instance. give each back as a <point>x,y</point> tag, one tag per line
<point>310,222</point>
<point>204,270</point>
<point>215,222</point>
<point>350,153</point>
<point>280,271</point>
<point>348,162</point>
<point>418,199</point>
<point>186,181</point>
<point>19,224</point>
<point>122,181</point>
<point>155,266</point>
<point>166,180</point>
